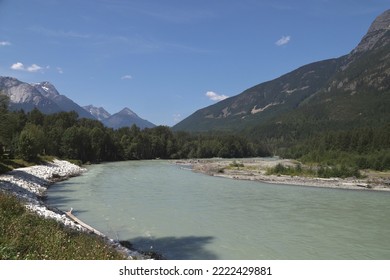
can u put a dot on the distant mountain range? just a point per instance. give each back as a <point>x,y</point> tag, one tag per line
<point>352,89</point>
<point>45,97</point>
<point>124,118</point>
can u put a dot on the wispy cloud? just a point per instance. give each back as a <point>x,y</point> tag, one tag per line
<point>160,10</point>
<point>283,41</point>
<point>59,70</point>
<point>59,33</point>
<point>18,66</point>
<point>126,77</point>
<point>178,15</point>
<point>4,43</point>
<point>177,117</point>
<point>215,96</point>
<point>123,43</point>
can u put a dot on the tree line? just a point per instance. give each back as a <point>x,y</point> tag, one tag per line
<point>361,147</point>
<point>65,135</point>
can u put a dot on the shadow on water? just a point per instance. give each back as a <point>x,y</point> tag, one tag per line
<point>176,248</point>
<point>64,204</point>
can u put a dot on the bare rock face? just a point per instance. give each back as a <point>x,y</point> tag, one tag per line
<point>98,112</point>
<point>378,33</point>
<point>381,22</point>
<point>43,96</point>
<point>25,96</point>
<point>47,89</point>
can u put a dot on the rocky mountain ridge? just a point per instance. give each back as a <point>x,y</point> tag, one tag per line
<point>345,89</point>
<point>98,112</point>
<point>46,98</point>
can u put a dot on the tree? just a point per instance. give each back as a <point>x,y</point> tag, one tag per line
<point>98,138</point>
<point>36,117</point>
<point>76,144</point>
<point>31,142</point>
<point>3,122</point>
<point>70,143</point>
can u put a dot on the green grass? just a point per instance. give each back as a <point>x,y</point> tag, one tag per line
<point>26,236</point>
<point>7,165</point>
<point>10,164</point>
<point>235,165</point>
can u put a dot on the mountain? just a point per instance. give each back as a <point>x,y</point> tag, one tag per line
<point>98,112</point>
<point>46,98</point>
<point>25,96</point>
<point>354,88</point>
<point>126,118</point>
<point>43,96</point>
<point>63,102</point>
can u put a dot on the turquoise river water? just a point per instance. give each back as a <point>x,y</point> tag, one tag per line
<point>162,207</point>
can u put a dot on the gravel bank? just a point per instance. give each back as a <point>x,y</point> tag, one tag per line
<point>254,169</point>
<point>30,184</point>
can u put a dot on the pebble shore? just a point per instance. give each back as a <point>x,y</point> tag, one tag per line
<point>29,184</point>
<point>255,169</point>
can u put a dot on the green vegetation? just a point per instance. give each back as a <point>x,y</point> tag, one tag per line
<point>31,135</point>
<point>316,135</point>
<point>357,148</point>
<point>335,120</point>
<point>30,138</point>
<point>333,113</point>
<point>280,169</point>
<point>321,172</point>
<point>236,164</point>
<point>313,139</point>
<point>25,236</point>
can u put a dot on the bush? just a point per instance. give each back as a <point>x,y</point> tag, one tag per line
<point>322,172</point>
<point>335,171</point>
<point>236,164</point>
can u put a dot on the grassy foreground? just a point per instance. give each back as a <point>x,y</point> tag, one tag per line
<point>26,236</point>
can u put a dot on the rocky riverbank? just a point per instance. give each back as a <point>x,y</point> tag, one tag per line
<point>30,184</point>
<point>255,169</point>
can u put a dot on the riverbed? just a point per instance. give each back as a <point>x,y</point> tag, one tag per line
<point>167,208</point>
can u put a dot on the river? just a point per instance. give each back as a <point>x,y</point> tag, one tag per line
<point>163,207</point>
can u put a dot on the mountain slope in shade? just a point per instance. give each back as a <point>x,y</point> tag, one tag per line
<point>126,118</point>
<point>264,101</point>
<point>354,87</point>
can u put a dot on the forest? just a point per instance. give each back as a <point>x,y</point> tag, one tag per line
<point>29,135</point>
<point>65,135</point>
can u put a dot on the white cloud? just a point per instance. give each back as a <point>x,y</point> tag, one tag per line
<point>59,70</point>
<point>215,96</point>
<point>283,41</point>
<point>127,77</point>
<point>34,68</point>
<point>4,43</point>
<point>18,66</point>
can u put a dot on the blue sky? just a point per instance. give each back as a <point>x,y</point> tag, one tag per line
<point>165,59</point>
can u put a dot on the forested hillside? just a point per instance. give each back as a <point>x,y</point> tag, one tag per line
<point>350,91</point>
